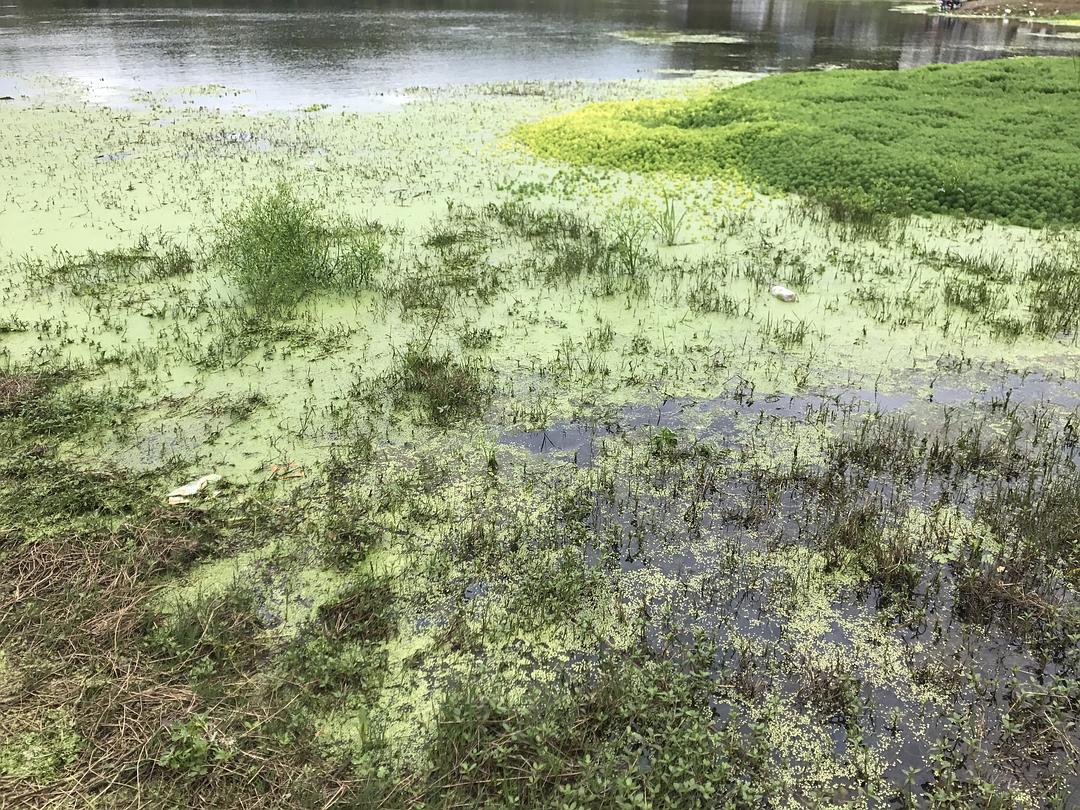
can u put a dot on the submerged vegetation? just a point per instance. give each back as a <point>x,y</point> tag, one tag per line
<point>531,494</point>
<point>995,140</point>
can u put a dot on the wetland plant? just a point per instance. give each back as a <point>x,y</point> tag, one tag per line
<point>874,137</point>
<point>211,634</point>
<point>442,387</point>
<point>338,650</point>
<point>641,734</point>
<point>974,296</point>
<point>147,261</point>
<point>629,230</point>
<point>867,214</point>
<point>668,221</point>
<point>472,337</point>
<point>279,249</point>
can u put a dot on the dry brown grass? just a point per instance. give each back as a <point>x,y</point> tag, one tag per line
<point>16,390</point>
<point>76,613</point>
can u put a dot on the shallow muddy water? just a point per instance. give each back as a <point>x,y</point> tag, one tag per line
<point>362,55</point>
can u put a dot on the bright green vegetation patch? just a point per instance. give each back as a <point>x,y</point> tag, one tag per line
<point>995,140</point>
<point>278,249</point>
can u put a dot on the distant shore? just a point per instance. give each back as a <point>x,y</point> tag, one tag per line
<point>1066,12</point>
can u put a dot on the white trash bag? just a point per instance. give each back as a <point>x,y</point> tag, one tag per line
<point>783,293</point>
<point>183,494</point>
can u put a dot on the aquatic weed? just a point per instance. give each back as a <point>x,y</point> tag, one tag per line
<point>941,138</point>
<point>278,249</point>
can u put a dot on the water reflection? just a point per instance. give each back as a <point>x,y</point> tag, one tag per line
<point>348,52</point>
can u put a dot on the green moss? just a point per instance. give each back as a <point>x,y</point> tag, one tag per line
<point>995,140</point>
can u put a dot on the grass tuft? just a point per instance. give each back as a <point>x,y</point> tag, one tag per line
<point>442,387</point>
<point>279,249</point>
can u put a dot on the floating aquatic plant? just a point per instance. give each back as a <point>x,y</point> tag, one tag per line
<point>995,139</point>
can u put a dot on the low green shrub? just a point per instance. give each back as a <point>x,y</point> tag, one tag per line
<point>278,249</point>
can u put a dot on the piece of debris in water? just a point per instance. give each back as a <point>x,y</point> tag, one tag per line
<point>783,293</point>
<point>289,469</point>
<point>183,494</point>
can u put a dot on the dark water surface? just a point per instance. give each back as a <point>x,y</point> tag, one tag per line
<point>296,53</point>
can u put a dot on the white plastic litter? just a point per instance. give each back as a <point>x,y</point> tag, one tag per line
<point>183,493</point>
<point>783,293</point>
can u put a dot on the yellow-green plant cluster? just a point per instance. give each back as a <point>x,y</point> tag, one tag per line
<point>997,139</point>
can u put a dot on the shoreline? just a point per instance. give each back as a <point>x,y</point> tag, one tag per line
<point>933,10</point>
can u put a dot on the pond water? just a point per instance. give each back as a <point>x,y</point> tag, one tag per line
<point>364,52</point>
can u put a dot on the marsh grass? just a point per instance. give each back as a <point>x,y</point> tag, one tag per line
<point>973,295</point>
<point>668,221</point>
<point>454,265</point>
<point>352,529</point>
<point>860,214</point>
<point>476,338</point>
<point>991,268</point>
<point>339,651</point>
<point>240,407</point>
<point>708,297</point>
<point>614,255</point>
<point>362,611</point>
<point>49,405</point>
<point>833,690</point>
<point>463,226</point>
<point>416,289</point>
<point>628,226</point>
<point>211,635</point>
<point>149,260</point>
<point>642,728</point>
<point>155,703</point>
<point>278,250</point>
<point>553,589</point>
<point>1052,291</point>
<point>1003,296</point>
<point>441,387</point>
<point>788,333</point>
<point>462,243</point>
<point>569,259</point>
<point>20,390</point>
<point>538,224</point>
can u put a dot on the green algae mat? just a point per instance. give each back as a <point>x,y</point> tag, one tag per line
<point>371,461</point>
<point>998,139</point>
